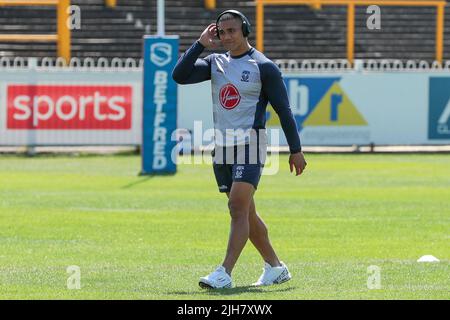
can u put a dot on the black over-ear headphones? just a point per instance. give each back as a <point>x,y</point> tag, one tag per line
<point>245,22</point>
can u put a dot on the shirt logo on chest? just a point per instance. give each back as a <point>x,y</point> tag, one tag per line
<point>229,96</point>
<point>245,76</point>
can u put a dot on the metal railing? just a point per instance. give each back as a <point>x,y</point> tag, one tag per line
<point>439,4</point>
<point>62,37</point>
<point>81,64</point>
<point>369,65</point>
<point>111,3</point>
<point>286,65</point>
<point>210,4</point>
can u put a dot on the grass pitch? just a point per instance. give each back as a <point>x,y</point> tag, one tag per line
<point>153,237</point>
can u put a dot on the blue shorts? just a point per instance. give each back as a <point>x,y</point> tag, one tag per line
<point>241,169</point>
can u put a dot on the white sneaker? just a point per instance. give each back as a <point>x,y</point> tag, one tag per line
<point>216,280</point>
<point>273,275</point>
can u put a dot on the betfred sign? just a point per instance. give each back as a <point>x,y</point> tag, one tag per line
<point>65,107</point>
<point>159,105</point>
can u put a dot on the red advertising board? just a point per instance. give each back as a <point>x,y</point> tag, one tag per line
<point>69,107</point>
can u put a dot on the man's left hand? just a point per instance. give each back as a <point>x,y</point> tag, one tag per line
<point>297,161</point>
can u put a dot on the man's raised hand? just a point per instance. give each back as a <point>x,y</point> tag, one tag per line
<point>209,38</point>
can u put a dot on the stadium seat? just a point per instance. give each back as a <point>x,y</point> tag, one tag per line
<point>291,32</point>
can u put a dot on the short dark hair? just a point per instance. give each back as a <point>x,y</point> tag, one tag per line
<point>233,14</point>
<point>229,16</point>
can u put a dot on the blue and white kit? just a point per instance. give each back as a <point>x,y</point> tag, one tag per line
<point>241,86</point>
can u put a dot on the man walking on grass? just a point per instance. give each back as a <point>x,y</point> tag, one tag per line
<point>243,81</point>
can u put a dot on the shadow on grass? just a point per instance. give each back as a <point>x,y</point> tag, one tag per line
<point>232,291</point>
<point>142,179</point>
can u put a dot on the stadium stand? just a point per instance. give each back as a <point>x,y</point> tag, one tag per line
<point>291,32</point>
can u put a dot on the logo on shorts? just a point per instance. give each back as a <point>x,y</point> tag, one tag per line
<point>229,96</point>
<point>239,172</point>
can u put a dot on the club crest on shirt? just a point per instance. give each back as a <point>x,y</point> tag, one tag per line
<point>245,76</point>
<point>229,96</point>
